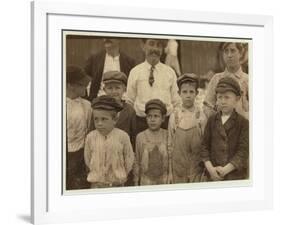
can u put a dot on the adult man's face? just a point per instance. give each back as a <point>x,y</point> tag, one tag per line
<point>153,50</point>
<point>111,44</point>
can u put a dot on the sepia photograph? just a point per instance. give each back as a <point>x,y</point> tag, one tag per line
<point>154,110</point>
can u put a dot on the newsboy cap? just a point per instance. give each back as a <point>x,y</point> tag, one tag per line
<point>114,77</point>
<point>106,102</point>
<point>156,104</point>
<point>187,77</point>
<point>76,75</point>
<point>228,84</point>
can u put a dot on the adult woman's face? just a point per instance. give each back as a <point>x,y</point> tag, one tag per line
<point>231,55</point>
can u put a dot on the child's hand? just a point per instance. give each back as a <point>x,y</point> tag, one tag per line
<point>221,171</point>
<point>212,171</point>
<point>215,176</point>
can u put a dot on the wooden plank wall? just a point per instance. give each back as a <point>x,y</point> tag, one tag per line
<point>198,57</point>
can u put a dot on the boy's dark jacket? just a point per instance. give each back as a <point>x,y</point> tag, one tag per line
<point>226,143</point>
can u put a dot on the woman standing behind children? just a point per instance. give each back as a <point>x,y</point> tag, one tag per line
<point>225,145</point>
<point>78,114</point>
<point>185,132</point>
<point>152,161</point>
<point>108,150</point>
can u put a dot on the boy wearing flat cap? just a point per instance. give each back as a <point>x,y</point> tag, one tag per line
<point>185,132</point>
<point>225,145</point>
<point>115,83</point>
<point>115,86</point>
<point>78,116</point>
<point>152,160</point>
<point>108,150</point>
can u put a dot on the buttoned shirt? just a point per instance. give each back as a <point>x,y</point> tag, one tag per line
<point>109,158</point>
<point>242,78</point>
<point>164,87</point>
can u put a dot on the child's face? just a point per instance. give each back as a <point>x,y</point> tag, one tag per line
<point>115,90</point>
<point>77,89</point>
<point>104,121</point>
<point>227,101</point>
<point>154,119</point>
<point>188,94</point>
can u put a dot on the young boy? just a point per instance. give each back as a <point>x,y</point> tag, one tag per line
<point>152,159</point>
<point>225,145</point>
<point>108,150</point>
<point>115,86</point>
<point>185,132</point>
<point>78,116</point>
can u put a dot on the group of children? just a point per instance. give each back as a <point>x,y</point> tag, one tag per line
<point>105,151</point>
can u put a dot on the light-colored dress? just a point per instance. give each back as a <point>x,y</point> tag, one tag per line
<point>110,158</point>
<point>152,164</point>
<point>185,132</point>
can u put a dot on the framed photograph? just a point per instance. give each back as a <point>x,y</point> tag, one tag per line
<point>142,116</point>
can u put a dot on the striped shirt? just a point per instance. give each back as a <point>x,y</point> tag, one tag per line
<point>110,158</point>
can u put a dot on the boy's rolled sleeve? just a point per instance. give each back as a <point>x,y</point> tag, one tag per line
<point>87,151</point>
<point>128,154</point>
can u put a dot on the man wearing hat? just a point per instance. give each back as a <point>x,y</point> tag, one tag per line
<point>152,79</point>
<point>225,145</point>
<point>78,116</point>
<point>152,160</point>
<point>108,151</point>
<point>185,132</point>
<point>109,59</point>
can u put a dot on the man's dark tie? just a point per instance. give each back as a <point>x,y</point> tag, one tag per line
<point>151,77</point>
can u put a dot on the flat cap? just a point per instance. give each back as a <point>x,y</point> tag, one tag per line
<point>114,77</point>
<point>106,102</point>
<point>228,84</point>
<point>156,104</point>
<point>76,75</point>
<point>187,77</point>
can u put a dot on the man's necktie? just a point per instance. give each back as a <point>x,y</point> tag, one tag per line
<point>151,77</point>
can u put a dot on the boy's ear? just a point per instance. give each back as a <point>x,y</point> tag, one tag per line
<point>238,98</point>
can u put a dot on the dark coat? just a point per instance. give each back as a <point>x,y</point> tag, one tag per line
<point>94,68</point>
<point>227,143</point>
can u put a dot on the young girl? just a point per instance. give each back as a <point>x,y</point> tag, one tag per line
<point>108,151</point>
<point>78,115</point>
<point>152,158</point>
<point>185,132</point>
